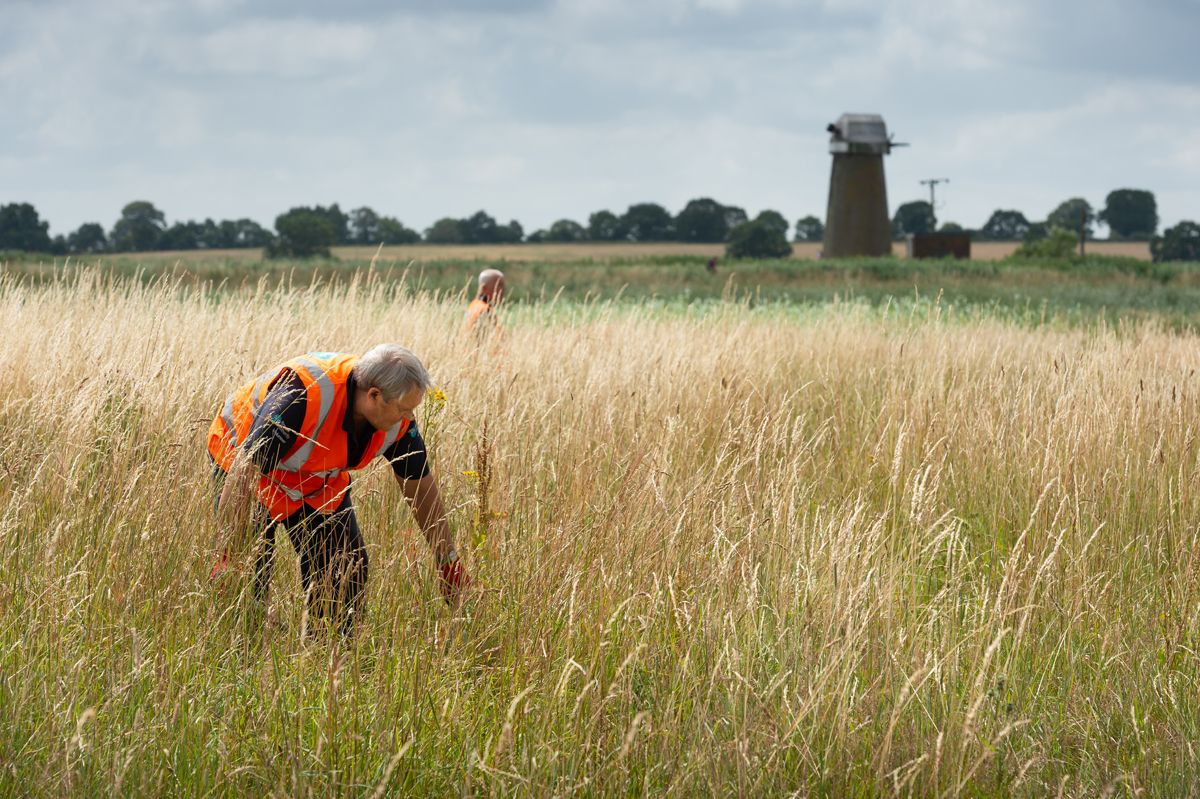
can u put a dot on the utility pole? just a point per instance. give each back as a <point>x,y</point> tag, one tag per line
<point>932,183</point>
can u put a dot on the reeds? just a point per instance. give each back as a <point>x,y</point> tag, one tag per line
<point>733,551</point>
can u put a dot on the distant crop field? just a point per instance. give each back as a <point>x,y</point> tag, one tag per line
<point>983,251</point>
<point>719,549</point>
<point>995,250</point>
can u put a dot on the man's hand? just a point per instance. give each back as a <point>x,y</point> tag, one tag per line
<point>454,581</point>
<point>220,566</point>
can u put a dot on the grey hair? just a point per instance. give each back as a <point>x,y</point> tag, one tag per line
<point>393,369</point>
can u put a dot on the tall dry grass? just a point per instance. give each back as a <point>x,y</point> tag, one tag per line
<point>726,552</point>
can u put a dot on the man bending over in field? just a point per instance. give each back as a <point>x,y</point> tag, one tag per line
<point>284,444</point>
<point>481,318</point>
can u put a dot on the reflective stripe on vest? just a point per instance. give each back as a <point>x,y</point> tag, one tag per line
<point>317,374</point>
<point>227,411</point>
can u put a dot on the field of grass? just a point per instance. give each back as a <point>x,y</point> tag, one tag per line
<point>843,549</point>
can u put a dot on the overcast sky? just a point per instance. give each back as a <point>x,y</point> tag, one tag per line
<point>542,109</point>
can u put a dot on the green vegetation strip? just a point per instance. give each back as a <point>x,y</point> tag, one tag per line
<point>1033,289</point>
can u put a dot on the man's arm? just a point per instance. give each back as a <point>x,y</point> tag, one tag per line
<point>410,465</point>
<point>426,502</point>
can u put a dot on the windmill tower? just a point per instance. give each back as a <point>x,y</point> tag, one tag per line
<point>856,221</point>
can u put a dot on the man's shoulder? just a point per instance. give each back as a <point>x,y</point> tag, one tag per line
<point>288,380</point>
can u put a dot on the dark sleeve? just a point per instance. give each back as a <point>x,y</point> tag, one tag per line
<point>407,455</point>
<point>278,423</point>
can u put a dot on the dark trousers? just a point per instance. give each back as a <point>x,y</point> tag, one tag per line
<point>333,563</point>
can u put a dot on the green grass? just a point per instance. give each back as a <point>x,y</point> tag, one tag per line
<point>1109,286</point>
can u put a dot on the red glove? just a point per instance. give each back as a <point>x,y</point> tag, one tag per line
<point>220,567</point>
<point>453,580</point>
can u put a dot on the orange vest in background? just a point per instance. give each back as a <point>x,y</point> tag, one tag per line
<point>313,471</point>
<point>480,317</point>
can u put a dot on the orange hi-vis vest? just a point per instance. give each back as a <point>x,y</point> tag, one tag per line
<point>478,309</point>
<point>313,471</point>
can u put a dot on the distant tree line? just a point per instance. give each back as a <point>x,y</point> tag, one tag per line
<point>1130,214</point>
<point>141,228</point>
<point>311,231</point>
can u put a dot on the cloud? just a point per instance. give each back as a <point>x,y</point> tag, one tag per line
<point>450,99</point>
<point>1111,40</point>
<point>372,10</point>
<point>285,49</point>
<point>1142,112</point>
<point>180,121</point>
<point>538,110</point>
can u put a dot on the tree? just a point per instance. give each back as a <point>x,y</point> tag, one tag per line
<point>757,239</point>
<point>339,220</point>
<point>393,231</point>
<point>512,233</point>
<point>364,226</point>
<point>708,221</point>
<point>479,228</point>
<point>1005,226</point>
<point>21,229</point>
<point>245,233</point>
<point>951,227</point>
<point>565,230</point>
<point>234,234</point>
<point>1057,243</point>
<point>536,237</point>
<point>303,233</point>
<point>1179,243</point>
<point>701,220</point>
<point>446,230</point>
<point>605,226</point>
<point>648,222</point>
<point>139,228</point>
<point>221,235</point>
<point>1036,232</point>
<point>1130,214</point>
<point>1070,213</point>
<point>810,228</point>
<point>774,219</point>
<point>87,239</point>
<point>181,236</point>
<point>209,233</point>
<point>912,218</point>
<point>735,216</point>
